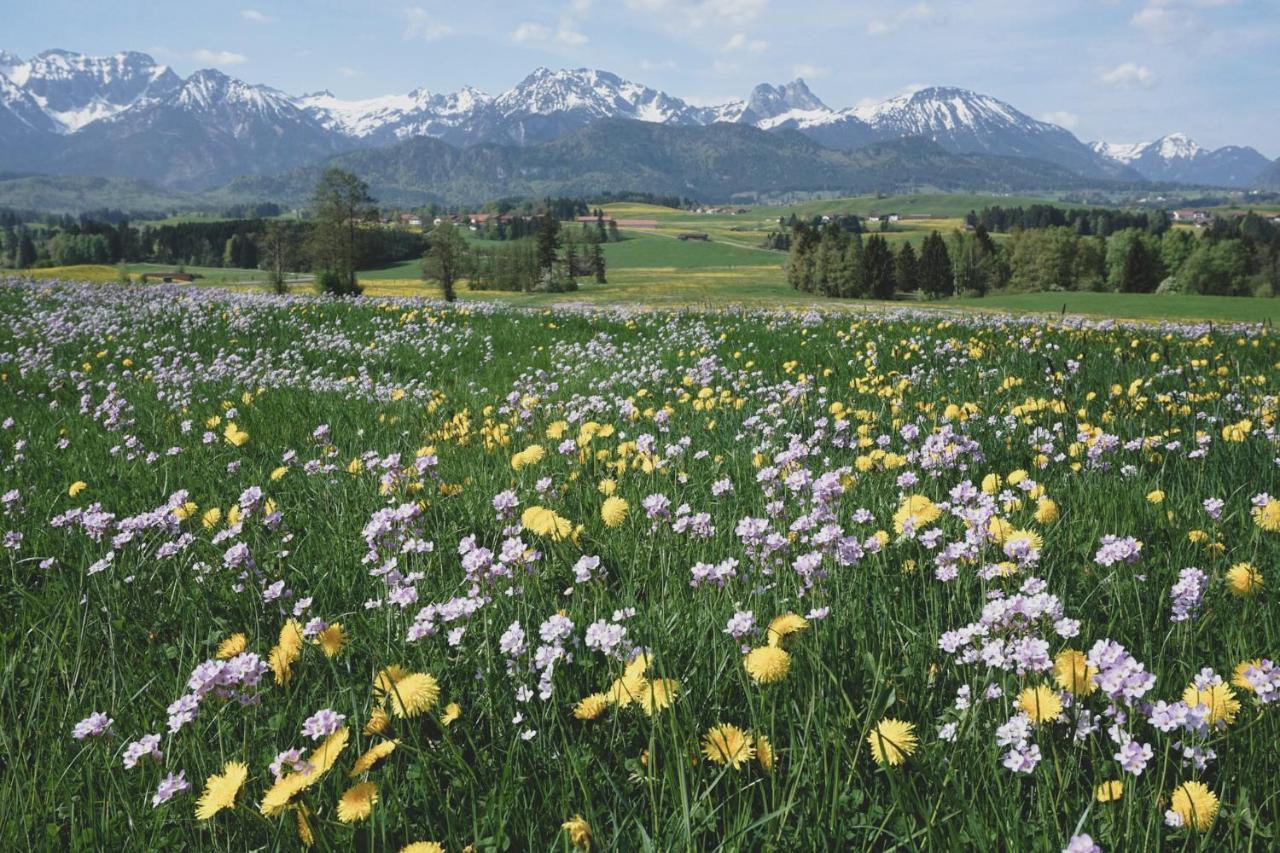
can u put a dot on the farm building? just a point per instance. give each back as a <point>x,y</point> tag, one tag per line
<point>637,223</point>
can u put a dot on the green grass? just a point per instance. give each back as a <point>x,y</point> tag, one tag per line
<point>1132,305</point>
<point>374,424</point>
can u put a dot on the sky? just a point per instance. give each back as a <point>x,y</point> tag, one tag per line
<point>1119,70</point>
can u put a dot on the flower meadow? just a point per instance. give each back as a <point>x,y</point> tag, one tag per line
<point>291,572</point>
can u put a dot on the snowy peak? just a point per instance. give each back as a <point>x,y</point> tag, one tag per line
<point>1121,152</point>
<point>1177,157</point>
<point>768,101</point>
<point>75,90</point>
<point>1174,146</point>
<point>599,94</point>
<point>210,94</point>
<point>937,110</point>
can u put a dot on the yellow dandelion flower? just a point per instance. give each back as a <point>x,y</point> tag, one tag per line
<point>1046,511</point>
<point>1016,476</point>
<point>452,712</point>
<point>76,488</point>
<point>305,834</point>
<point>320,761</point>
<point>277,473</point>
<point>220,789</point>
<point>784,626</point>
<point>623,691</point>
<point>1040,703</point>
<point>591,707</point>
<point>1267,516</point>
<point>423,847</point>
<point>1238,431</point>
<point>607,486</point>
<point>579,831</point>
<point>414,694</point>
<point>1237,677</point>
<point>919,510</point>
<point>1073,674</point>
<point>231,646</point>
<point>211,518</point>
<point>1109,792</point>
<point>764,753</point>
<point>286,651</point>
<point>234,435</point>
<point>637,666</point>
<point>332,640</point>
<point>544,522</point>
<point>1155,496</point>
<point>1243,579</point>
<point>1220,699</point>
<point>1028,538</point>
<point>378,722</point>
<point>1195,804</point>
<point>372,756</point>
<point>991,484</point>
<point>658,694</point>
<point>356,803</point>
<point>613,511</point>
<point>999,529</point>
<point>185,511</point>
<point>891,741</point>
<point>728,744</point>
<point>767,664</point>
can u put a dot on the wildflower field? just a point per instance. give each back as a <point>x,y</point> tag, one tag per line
<point>384,574</point>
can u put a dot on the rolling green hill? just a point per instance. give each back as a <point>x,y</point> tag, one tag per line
<point>719,162</point>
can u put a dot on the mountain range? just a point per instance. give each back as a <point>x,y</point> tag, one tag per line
<point>126,116</point>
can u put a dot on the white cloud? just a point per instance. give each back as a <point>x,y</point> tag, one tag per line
<point>419,24</point>
<point>685,14</point>
<point>657,65</point>
<point>1062,118</point>
<point>529,31</point>
<point>568,35</point>
<point>811,72</point>
<point>1165,20</point>
<point>256,16</point>
<point>218,57</point>
<point>349,72</point>
<point>739,41</point>
<point>919,13</point>
<point>1128,75</point>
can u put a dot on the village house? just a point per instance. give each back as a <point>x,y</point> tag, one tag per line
<point>1192,217</point>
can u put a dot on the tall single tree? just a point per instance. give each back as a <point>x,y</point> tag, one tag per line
<point>907,269</point>
<point>877,267</point>
<point>548,238</point>
<point>342,205</point>
<point>935,268</point>
<point>279,253</point>
<point>447,258</point>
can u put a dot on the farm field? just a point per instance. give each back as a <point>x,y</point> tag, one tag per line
<point>286,571</point>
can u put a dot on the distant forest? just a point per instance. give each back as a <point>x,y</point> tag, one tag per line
<point>1047,248</point>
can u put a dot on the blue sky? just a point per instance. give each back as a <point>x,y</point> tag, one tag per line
<point>1123,70</point>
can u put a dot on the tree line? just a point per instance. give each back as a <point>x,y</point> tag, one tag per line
<point>551,259</point>
<point>1095,221</point>
<point>1230,257</point>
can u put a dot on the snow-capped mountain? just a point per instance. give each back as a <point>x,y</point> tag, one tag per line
<point>1178,158</point>
<point>127,115</point>
<point>389,118</point>
<point>209,130</point>
<point>75,90</point>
